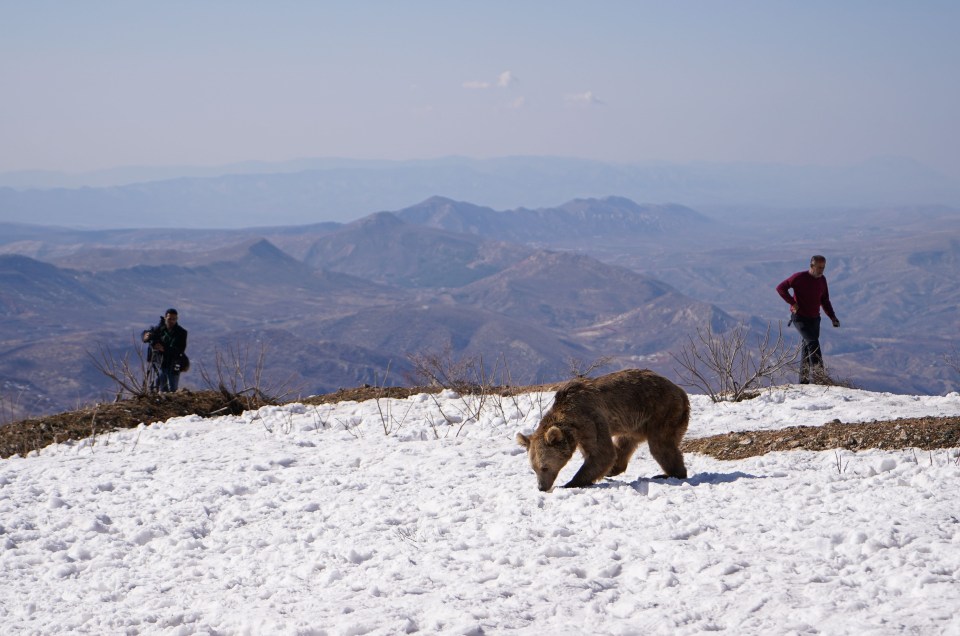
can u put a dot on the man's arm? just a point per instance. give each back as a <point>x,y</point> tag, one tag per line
<point>784,290</point>
<point>827,306</point>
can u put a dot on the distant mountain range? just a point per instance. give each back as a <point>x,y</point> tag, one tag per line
<point>318,190</point>
<point>340,304</point>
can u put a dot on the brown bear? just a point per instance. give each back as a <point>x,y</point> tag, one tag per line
<point>607,418</point>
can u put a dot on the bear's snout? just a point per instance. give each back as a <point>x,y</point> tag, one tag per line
<point>545,482</point>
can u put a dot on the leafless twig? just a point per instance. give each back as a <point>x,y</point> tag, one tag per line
<point>727,368</point>
<point>841,465</point>
<point>131,377</point>
<point>239,377</point>
<point>389,423</point>
<point>580,369</point>
<point>467,376</point>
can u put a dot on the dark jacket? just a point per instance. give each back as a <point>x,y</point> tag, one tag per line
<point>174,344</point>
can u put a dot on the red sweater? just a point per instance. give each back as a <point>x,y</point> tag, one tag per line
<point>809,294</point>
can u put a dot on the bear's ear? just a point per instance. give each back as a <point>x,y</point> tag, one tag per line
<point>553,435</point>
<point>523,440</point>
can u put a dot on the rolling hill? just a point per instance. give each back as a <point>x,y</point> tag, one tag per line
<point>340,304</point>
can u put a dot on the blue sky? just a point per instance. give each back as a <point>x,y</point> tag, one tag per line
<point>93,85</point>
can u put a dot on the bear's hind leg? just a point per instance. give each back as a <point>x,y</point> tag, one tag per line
<point>668,455</point>
<point>626,447</point>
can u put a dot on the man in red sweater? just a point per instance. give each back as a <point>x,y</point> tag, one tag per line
<point>810,293</point>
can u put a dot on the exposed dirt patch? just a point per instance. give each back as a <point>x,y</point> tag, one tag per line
<point>27,435</point>
<point>362,393</point>
<point>19,438</point>
<point>926,433</point>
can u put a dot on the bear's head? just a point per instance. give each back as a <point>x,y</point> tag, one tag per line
<point>549,450</point>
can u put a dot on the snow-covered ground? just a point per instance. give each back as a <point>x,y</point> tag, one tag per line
<point>384,518</point>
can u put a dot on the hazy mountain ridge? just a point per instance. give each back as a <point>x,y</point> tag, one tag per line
<point>435,298</point>
<point>612,217</point>
<point>29,285</point>
<point>562,289</point>
<point>361,297</point>
<point>386,249</point>
<point>379,333</point>
<point>533,353</point>
<point>341,190</point>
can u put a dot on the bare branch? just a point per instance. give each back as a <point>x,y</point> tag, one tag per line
<point>580,369</point>
<point>240,379</point>
<point>468,376</point>
<point>389,423</point>
<point>131,377</point>
<point>727,368</point>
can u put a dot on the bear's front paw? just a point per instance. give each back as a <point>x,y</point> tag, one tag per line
<point>684,476</point>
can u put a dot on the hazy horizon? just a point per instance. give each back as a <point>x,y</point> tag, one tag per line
<point>92,87</point>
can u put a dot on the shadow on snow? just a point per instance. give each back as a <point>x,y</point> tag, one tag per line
<point>643,483</point>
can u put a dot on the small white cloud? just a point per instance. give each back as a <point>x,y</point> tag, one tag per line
<point>583,98</point>
<point>504,80</point>
<point>517,103</point>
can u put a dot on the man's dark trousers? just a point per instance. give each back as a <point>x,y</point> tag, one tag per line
<point>811,359</point>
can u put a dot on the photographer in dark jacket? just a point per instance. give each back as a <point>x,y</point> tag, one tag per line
<point>168,342</point>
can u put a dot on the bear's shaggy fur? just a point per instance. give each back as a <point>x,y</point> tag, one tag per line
<point>607,418</point>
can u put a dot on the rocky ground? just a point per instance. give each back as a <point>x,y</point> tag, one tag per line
<point>21,437</point>
<point>925,433</point>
